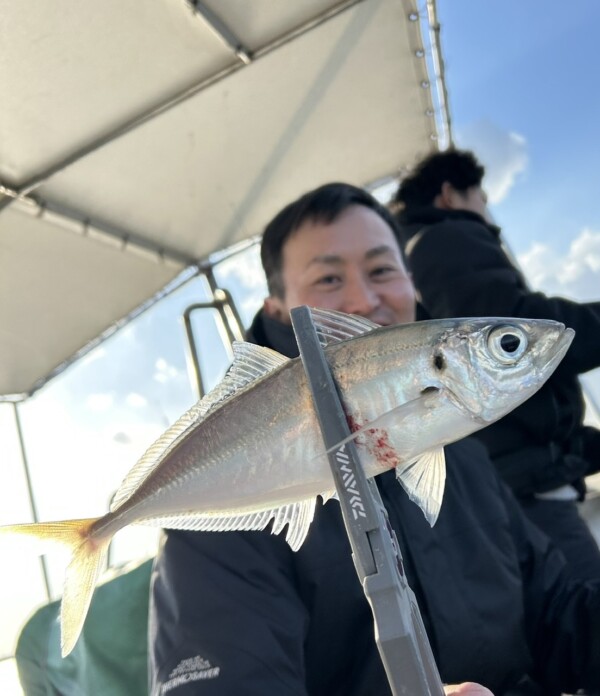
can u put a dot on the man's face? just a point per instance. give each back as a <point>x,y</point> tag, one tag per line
<point>352,265</point>
<point>473,199</point>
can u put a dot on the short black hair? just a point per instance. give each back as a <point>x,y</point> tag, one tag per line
<point>322,205</point>
<point>458,167</point>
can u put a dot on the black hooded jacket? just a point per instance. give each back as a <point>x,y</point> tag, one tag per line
<point>240,613</point>
<point>460,269</point>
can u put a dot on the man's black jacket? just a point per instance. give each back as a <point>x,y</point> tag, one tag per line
<point>460,269</point>
<point>237,613</point>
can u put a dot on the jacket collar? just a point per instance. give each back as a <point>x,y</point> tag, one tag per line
<point>268,332</point>
<point>414,219</point>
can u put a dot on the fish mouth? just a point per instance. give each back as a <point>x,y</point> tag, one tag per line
<point>562,346</point>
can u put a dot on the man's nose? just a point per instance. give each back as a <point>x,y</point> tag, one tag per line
<point>361,298</point>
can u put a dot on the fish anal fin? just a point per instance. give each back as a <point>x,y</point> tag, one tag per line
<point>424,479</point>
<point>329,495</point>
<point>298,516</point>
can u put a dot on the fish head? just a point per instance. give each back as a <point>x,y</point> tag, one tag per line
<point>491,365</point>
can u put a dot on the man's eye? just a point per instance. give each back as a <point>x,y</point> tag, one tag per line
<point>328,280</point>
<point>382,271</point>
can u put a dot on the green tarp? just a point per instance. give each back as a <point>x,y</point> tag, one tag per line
<point>110,658</point>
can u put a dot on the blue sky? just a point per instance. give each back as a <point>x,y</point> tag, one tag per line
<point>530,68</point>
<point>522,77</point>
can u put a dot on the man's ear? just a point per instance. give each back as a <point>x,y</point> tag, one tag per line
<point>446,198</point>
<point>274,307</point>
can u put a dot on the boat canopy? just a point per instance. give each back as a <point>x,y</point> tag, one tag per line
<point>138,138</point>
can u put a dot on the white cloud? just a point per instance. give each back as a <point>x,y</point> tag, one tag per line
<point>99,402</point>
<point>136,400</point>
<point>575,274</point>
<point>244,268</point>
<point>503,153</point>
<point>97,353</point>
<point>164,371</point>
<point>244,276</point>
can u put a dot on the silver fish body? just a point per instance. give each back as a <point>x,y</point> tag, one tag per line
<point>260,449</point>
<point>251,453</point>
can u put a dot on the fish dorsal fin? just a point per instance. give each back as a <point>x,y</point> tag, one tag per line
<point>250,363</point>
<point>297,516</point>
<point>332,326</point>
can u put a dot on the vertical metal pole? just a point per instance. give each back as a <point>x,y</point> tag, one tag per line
<point>193,349</point>
<point>223,303</point>
<point>231,318</point>
<point>32,505</point>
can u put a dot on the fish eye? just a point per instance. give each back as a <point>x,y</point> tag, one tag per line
<point>507,344</point>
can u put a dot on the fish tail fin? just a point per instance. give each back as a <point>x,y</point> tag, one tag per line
<point>88,555</point>
<point>80,580</point>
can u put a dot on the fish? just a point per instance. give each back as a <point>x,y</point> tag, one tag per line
<point>250,453</point>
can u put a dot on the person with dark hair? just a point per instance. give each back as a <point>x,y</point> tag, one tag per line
<point>460,268</point>
<point>241,613</point>
<point>452,175</point>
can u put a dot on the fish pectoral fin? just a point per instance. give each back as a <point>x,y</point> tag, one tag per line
<point>297,516</point>
<point>415,408</point>
<point>424,480</point>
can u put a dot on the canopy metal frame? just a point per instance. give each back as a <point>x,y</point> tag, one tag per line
<point>244,58</point>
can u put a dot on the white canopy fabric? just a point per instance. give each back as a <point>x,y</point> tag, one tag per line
<point>137,138</point>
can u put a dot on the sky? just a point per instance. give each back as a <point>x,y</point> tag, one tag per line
<point>522,77</point>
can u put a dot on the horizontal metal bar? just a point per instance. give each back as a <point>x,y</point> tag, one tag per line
<point>85,224</point>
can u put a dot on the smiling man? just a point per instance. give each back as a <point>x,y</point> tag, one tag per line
<point>240,613</point>
<point>368,278</point>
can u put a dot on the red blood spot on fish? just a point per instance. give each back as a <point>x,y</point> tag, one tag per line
<point>377,442</point>
<point>352,424</point>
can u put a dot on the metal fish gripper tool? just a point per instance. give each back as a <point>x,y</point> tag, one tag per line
<point>399,631</point>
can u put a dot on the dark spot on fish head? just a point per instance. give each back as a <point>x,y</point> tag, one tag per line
<point>438,361</point>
